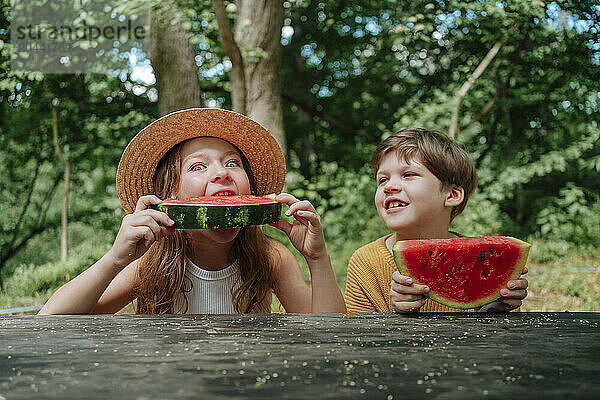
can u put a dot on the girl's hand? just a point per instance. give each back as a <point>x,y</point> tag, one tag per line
<point>306,232</point>
<point>512,296</point>
<point>406,296</point>
<point>139,230</point>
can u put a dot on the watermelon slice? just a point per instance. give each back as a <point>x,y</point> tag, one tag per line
<point>212,212</point>
<point>463,272</point>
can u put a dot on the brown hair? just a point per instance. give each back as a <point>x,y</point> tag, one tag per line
<point>161,270</point>
<point>443,157</point>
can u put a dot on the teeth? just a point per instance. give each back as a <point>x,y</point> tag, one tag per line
<point>395,203</point>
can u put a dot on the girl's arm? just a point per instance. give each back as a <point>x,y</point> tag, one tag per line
<point>113,276</point>
<point>290,288</point>
<point>306,234</point>
<point>121,291</point>
<point>102,288</point>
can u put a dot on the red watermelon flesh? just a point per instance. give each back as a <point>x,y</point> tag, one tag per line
<point>222,200</point>
<point>463,272</point>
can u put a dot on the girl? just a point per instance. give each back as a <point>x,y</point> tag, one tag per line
<point>203,152</point>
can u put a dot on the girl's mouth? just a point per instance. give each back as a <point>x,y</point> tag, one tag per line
<point>224,193</point>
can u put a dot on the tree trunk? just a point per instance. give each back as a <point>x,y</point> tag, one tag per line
<point>238,78</point>
<point>65,163</point>
<point>258,29</point>
<point>173,61</point>
<point>255,55</point>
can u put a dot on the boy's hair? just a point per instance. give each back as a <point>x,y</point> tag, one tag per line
<point>443,157</point>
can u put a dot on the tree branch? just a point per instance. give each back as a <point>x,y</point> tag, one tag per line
<point>476,74</point>
<point>488,106</point>
<point>26,205</point>
<point>13,250</point>
<point>238,79</point>
<point>484,110</point>
<point>46,202</point>
<point>490,142</point>
<point>32,233</point>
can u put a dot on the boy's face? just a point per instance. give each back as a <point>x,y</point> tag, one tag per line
<point>409,200</point>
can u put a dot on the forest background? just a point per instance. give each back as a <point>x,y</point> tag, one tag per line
<point>517,83</point>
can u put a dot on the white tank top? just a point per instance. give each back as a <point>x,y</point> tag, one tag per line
<point>210,291</point>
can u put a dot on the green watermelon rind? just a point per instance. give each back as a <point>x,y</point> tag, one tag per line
<point>518,271</point>
<point>218,216</point>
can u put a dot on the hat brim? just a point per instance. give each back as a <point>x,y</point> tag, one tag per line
<point>138,163</point>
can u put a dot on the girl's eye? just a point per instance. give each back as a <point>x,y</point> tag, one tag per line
<point>381,180</point>
<point>232,163</point>
<point>409,174</point>
<point>197,167</point>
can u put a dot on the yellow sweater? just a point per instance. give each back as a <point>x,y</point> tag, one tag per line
<point>368,284</point>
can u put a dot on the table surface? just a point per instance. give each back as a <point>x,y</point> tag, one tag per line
<point>301,356</point>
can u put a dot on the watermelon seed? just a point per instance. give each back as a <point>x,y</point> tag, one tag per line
<point>482,255</point>
<point>491,250</point>
<point>429,251</point>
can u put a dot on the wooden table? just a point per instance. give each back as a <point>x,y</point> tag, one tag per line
<point>381,356</point>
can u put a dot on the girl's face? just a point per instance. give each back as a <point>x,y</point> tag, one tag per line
<point>212,167</point>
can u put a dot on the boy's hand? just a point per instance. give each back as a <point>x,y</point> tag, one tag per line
<point>406,295</point>
<point>306,232</point>
<point>139,230</point>
<point>512,296</point>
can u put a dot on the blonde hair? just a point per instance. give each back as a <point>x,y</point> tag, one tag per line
<point>443,157</point>
<point>161,270</point>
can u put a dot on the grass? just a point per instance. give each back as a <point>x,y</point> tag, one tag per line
<point>569,283</point>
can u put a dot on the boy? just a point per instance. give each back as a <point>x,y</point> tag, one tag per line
<point>424,180</point>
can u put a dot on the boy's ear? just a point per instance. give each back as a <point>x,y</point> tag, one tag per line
<point>455,196</point>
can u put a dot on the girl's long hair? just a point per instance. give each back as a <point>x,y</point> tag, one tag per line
<point>161,271</point>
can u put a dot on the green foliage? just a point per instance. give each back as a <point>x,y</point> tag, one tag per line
<point>369,69</point>
<point>352,73</point>
<point>34,282</point>
<point>560,160</point>
<point>549,251</point>
<point>574,217</point>
<point>482,217</point>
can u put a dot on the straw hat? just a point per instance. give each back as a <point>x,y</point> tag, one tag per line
<point>135,172</point>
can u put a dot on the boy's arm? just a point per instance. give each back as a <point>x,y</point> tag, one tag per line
<point>354,296</point>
